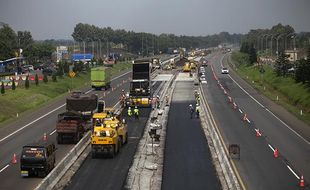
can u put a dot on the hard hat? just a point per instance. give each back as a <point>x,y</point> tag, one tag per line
<point>129,108</point>
<point>190,105</point>
<point>197,104</point>
<point>157,96</point>
<point>136,107</point>
<point>97,119</point>
<point>123,90</point>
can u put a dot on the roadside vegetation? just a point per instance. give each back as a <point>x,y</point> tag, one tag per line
<point>23,99</point>
<point>285,89</point>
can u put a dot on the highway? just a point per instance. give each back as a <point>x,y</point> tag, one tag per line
<point>187,162</point>
<point>107,173</point>
<point>31,127</point>
<point>257,167</point>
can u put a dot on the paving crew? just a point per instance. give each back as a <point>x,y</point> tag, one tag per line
<point>197,110</point>
<point>191,110</point>
<point>129,112</point>
<point>136,112</point>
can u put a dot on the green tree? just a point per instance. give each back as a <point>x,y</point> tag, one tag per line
<point>282,65</point>
<point>7,42</point>
<point>45,79</point>
<point>36,79</point>
<point>2,88</point>
<point>25,41</point>
<point>13,85</point>
<point>54,77</point>
<point>27,82</point>
<point>252,55</point>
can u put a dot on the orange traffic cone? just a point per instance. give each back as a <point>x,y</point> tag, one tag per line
<point>244,117</point>
<point>14,160</point>
<point>258,134</point>
<point>302,181</point>
<point>276,153</point>
<point>45,137</point>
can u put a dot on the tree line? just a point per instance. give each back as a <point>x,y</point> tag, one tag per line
<point>144,43</point>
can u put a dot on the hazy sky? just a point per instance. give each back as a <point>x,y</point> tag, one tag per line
<point>47,19</point>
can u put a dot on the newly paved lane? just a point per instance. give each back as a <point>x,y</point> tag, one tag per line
<point>257,166</point>
<point>187,163</point>
<point>10,175</point>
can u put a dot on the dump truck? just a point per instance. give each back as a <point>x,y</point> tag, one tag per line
<point>140,86</point>
<point>77,119</point>
<point>100,78</point>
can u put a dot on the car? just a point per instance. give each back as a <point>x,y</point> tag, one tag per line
<point>203,75</point>
<point>225,70</point>
<point>202,78</point>
<point>204,82</point>
<point>204,63</point>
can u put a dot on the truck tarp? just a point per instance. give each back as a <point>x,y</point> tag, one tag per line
<point>83,103</point>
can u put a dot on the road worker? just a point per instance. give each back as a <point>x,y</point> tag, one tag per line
<point>136,112</point>
<point>191,110</point>
<point>129,112</point>
<point>197,110</point>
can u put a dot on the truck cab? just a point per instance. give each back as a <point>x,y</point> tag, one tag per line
<point>37,159</point>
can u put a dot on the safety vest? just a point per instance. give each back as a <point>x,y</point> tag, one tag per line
<point>136,111</point>
<point>129,112</point>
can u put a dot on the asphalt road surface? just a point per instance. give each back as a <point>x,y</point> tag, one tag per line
<point>111,173</point>
<point>257,166</point>
<point>15,135</point>
<point>187,162</point>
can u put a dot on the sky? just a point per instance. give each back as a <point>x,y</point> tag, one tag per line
<point>56,19</point>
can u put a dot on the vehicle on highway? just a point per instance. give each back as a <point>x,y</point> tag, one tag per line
<point>225,70</point>
<point>100,78</point>
<point>202,79</point>
<point>37,159</point>
<point>73,123</point>
<point>186,67</point>
<point>140,85</point>
<point>204,63</point>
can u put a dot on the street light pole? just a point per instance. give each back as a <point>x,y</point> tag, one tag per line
<point>278,44</point>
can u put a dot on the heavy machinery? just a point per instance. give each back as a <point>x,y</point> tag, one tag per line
<point>100,77</point>
<point>77,119</point>
<point>140,86</point>
<point>109,133</point>
<point>186,67</point>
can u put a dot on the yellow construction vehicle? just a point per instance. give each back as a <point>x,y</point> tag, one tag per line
<point>193,65</point>
<point>109,133</point>
<point>186,67</point>
<point>105,139</point>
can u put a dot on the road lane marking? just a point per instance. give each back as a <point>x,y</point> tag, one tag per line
<point>240,111</point>
<point>53,132</point>
<point>292,171</point>
<point>25,126</point>
<point>271,147</point>
<point>5,167</point>
<point>32,122</point>
<point>286,125</point>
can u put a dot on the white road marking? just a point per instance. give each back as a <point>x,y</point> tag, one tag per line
<point>5,167</point>
<point>240,111</point>
<point>271,147</point>
<point>292,171</point>
<point>248,120</point>
<point>25,126</point>
<point>53,132</point>
<point>286,125</point>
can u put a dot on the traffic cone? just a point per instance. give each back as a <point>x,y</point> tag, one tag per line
<point>302,181</point>
<point>44,137</point>
<point>244,117</point>
<point>276,153</point>
<point>14,160</point>
<point>258,134</point>
<point>225,92</point>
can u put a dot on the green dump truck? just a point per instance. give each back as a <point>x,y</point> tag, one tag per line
<point>101,78</point>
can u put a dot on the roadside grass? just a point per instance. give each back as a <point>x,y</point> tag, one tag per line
<point>283,90</point>
<point>23,100</point>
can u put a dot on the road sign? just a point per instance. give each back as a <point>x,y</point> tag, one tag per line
<point>72,74</point>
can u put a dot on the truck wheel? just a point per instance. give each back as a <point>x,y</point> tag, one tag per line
<point>59,139</point>
<point>126,140</point>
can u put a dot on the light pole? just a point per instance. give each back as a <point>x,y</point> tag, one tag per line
<point>290,34</point>
<point>278,44</point>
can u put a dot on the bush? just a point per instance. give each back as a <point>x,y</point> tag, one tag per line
<point>27,82</point>
<point>54,78</point>
<point>13,85</point>
<point>45,79</point>
<point>2,88</point>
<point>36,80</point>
